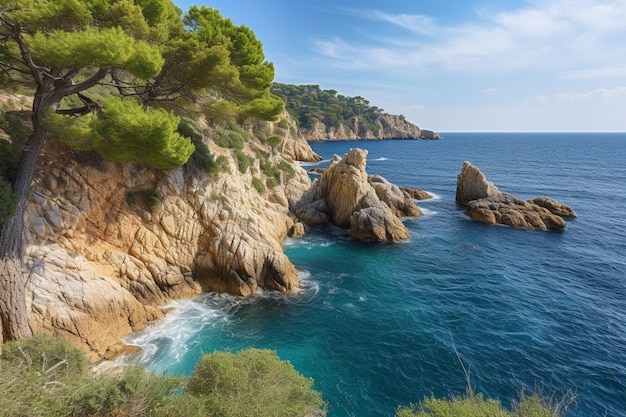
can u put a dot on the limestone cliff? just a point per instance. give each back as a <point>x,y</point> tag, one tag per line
<point>385,126</point>
<point>294,144</point>
<point>108,244</point>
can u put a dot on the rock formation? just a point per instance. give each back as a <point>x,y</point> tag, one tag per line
<point>387,126</point>
<point>344,195</point>
<point>108,244</point>
<point>294,144</point>
<point>484,202</point>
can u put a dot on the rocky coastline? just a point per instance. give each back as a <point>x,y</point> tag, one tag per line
<point>386,126</point>
<point>109,245</point>
<point>484,202</point>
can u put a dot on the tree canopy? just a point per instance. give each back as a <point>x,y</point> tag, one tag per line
<point>309,103</point>
<point>110,76</point>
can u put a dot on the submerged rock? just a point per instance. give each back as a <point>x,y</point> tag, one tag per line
<point>485,203</point>
<point>347,197</point>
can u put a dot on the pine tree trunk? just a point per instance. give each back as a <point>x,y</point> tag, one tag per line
<point>13,312</point>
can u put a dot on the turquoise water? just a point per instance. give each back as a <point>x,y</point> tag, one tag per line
<point>377,325</point>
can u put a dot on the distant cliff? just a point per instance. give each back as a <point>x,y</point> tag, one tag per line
<point>327,115</point>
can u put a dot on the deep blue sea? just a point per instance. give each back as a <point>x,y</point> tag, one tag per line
<point>379,325</point>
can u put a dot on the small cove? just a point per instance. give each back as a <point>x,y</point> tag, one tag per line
<point>376,325</point>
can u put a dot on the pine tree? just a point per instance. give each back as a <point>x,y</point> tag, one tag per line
<point>116,67</point>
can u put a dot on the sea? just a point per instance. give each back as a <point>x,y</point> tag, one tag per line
<point>507,311</point>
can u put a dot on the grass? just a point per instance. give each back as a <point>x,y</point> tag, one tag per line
<point>45,376</point>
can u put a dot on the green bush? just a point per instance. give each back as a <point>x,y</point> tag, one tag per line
<point>470,405</point>
<point>135,392</point>
<point>253,382</point>
<point>37,376</point>
<point>258,185</point>
<point>274,140</point>
<point>8,201</point>
<point>229,139</point>
<point>244,161</point>
<point>145,199</point>
<point>201,158</point>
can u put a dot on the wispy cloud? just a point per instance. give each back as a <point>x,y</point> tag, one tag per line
<point>567,37</point>
<point>598,93</point>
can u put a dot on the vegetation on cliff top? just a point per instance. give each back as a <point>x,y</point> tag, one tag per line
<point>309,104</point>
<point>45,376</point>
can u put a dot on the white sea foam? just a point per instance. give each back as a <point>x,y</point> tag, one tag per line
<point>168,338</point>
<point>428,212</point>
<point>382,158</point>
<point>433,197</point>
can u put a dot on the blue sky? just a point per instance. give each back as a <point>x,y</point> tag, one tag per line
<point>454,65</point>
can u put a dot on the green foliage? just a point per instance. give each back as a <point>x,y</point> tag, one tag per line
<point>11,147</point>
<point>45,376</point>
<point>258,185</point>
<point>8,201</point>
<point>37,374</point>
<point>244,161</point>
<point>274,140</point>
<point>229,139</point>
<point>253,382</point>
<point>134,392</point>
<point>477,406</point>
<point>309,104</point>
<point>288,168</point>
<point>95,46</point>
<point>202,158</point>
<point>146,199</point>
<point>124,132</point>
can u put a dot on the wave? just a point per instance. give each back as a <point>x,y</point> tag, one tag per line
<point>382,158</point>
<point>428,212</point>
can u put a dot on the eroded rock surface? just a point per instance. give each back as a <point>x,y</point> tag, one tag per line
<point>485,203</point>
<point>346,196</point>
<point>107,244</point>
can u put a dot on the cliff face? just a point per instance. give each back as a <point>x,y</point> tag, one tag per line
<point>107,244</point>
<point>386,126</point>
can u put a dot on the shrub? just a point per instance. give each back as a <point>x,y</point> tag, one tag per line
<point>273,140</point>
<point>258,185</point>
<point>8,201</point>
<point>37,375</point>
<point>144,199</point>
<point>253,382</point>
<point>244,161</point>
<point>476,406</point>
<point>133,393</point>
<point>229,139</point>
<point>201,158</point>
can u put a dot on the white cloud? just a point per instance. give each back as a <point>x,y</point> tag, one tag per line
<point>596,94</point>
<point>572,38</point>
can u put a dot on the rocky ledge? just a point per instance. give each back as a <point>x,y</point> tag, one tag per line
<point>485,203</point>
<point>370,206</point>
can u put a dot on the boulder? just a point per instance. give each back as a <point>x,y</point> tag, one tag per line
<point>346,196</point>
<point>485,203</point>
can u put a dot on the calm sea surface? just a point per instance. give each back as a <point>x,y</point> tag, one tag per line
<point>377,325</point>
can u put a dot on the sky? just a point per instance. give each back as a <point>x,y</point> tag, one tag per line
<point>454,65</point>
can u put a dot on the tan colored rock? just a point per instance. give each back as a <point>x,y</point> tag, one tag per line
<point>472,185</point>
<point>108,244</point>
<point>347,197</point>
<point>416,194</point>
<point>554,206</point>
<point>485,203</point>
<point>387,126</point>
